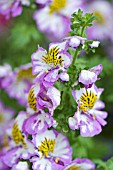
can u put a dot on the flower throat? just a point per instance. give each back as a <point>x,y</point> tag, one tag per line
<point>57,5</point>
<point>53,58</point>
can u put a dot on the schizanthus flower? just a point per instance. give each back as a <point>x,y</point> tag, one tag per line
<point>51,66</point>
<point>52,151</point>
<point>20,147</point>
<point>88,117</point>
<point>54,18</point>
<point>89,77</point>
<point>40,98</point>
<point>18,83</point>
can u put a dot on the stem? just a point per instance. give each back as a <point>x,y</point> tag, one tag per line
<point>82,31</point>
<point>75,56</point>
<point>77,52</point>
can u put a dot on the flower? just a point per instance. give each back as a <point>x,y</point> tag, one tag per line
<point>38,123</point>
<point>40,98</point>
<point>20,147</point>
<point>6,114</point>
<point>12,7</point>
<point>88,117</point>
<point>18,83</point>
<point>47,65</point>
<point>54,18</point>
<point>89,77</point>
<point>102,28</point>
<point>75,41</point>
<point>80,164</point>
<point>52,149</point>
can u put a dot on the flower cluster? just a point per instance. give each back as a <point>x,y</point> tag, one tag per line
<point>31,139</point>
<point>31,136</point>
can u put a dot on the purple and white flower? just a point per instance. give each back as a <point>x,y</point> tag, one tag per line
<point>20,147</point>
<point>80,164</point>
<point>18,83</point>
<point>54,18</point>
<point>52,151</point>
<point>89,77</point>
<point>38,123</point>
<point>12,7</point>
<point>47,65</point>
<point>102,28</point>
<point>88,117</point>
<point>40,98</point>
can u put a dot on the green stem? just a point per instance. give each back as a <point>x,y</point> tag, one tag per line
<point>75,56</point>
<point>82,31</point>
<point>77,52</point>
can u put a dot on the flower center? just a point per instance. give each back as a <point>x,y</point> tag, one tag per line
<point>100,19</point>
<point>47,146</point>
<point>17,135</point>
<point>53,58</point>
<point>23,74</point>
<point>57,5</point>
<point>88,100</point>
<point>32,100</point>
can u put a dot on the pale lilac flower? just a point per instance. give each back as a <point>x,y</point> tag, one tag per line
<point>6,114</point>
<point>20,146</point>
<point>18,83</point>
<point>57,153</point>
<point>102,28</point>
<point>54,18</point>
<point>80,164</point>
<point>38,123</point>
<point>89,77</point>
<point>88,117</point>
<point>40,98</point>
<point>47,65</point>
<point>12,7</point>
<point>75,41</point>
<point>95,44</point>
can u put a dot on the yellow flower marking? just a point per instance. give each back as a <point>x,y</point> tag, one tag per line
<point>23,74</point>
<point>74,168</point>
<point>100,19</point>
<point>57,5</point>
<point>32,100</point>
<point>47,146</point>
<point>88,100</point>
<point>53,58</point>
<point>1,117</point>
<point>17,135</point>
